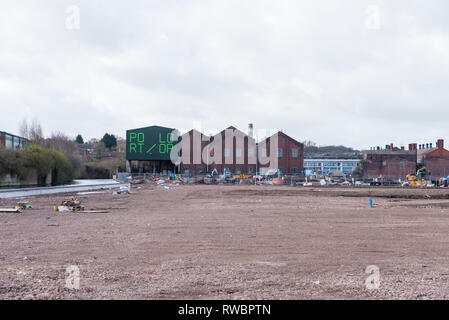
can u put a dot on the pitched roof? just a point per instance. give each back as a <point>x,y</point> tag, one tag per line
<point>391,152</point>
<point>280,133</point>
<point>151,127</point>
<point>422,152</point>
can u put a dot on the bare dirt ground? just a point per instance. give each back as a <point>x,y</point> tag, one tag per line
<point>230,242</point>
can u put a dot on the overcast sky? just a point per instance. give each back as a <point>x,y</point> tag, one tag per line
<point>353,72</point>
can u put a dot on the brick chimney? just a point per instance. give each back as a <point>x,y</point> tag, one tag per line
<point>412,146</point>
<point>440,144</point>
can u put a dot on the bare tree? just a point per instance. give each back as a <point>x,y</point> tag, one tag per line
<point>60,142</point>
<point>23,129</point>
<point>35,132</point>
<point>32,131</point>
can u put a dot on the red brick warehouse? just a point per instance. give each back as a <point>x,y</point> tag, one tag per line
<point>435,159</point>
<point>394,163</point>
<point>390,164</point>
<point>236,152</point>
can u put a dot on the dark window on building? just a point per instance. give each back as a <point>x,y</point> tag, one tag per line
<point>279,153</point>
<point>200,170</point>
<point>294,153</point>
<point>294,170</point>
<point>238,171</point>
<point>16,143</point>
<point>8,141</point>
<point>250,170</point>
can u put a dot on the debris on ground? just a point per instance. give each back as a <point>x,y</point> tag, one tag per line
<point>138,180</point>
<point>123,190</point>
<point>72,204</point>
<point>94,211</point>
<point>24,205</point>
<point>11,210</point>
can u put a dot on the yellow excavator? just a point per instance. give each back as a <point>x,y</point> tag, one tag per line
<point>241,177</point>
<point>417,180</point>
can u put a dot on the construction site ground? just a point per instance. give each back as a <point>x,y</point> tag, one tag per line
<point>230,242</point>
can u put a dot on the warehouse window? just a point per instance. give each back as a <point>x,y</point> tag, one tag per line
<point>250,170</point>
<point>238,152</point>
<point>8,141</point>
<point>294,170</point>
<point>294,153</point>
<point>226,152</point>
<point>279,153</point>
<point>250,153</point>
<point>238,171</point>
<point>200,170</point>
<point>186,171</point>
<point>16,143</point>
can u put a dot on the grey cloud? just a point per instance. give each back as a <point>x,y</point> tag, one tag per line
<point>310,68</point>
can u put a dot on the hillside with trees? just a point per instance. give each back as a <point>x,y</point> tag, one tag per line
<point>312,150</point>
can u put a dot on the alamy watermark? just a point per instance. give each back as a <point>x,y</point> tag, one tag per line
<point>373,280</point>
<point>373,17</point>
<point>72,280</point>
<point>73,19</point>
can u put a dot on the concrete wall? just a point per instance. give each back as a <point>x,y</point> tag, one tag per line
<point>30,180</point>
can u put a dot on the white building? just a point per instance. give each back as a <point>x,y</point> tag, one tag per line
<point>322,167</point>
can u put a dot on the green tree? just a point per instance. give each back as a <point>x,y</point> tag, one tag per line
<point>37,157</point>
<point>11,163</point>
<point>39,160</point>
<point>359,171</point>
<point>109,140</point>
<point>62,169</point>
<point>79,139</point>
<point>60,142</point>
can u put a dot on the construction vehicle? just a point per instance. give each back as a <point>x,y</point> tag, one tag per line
<point>377,181</point>
<point>417,180</point>
<point>241,177</point>
<point>444,182</point>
